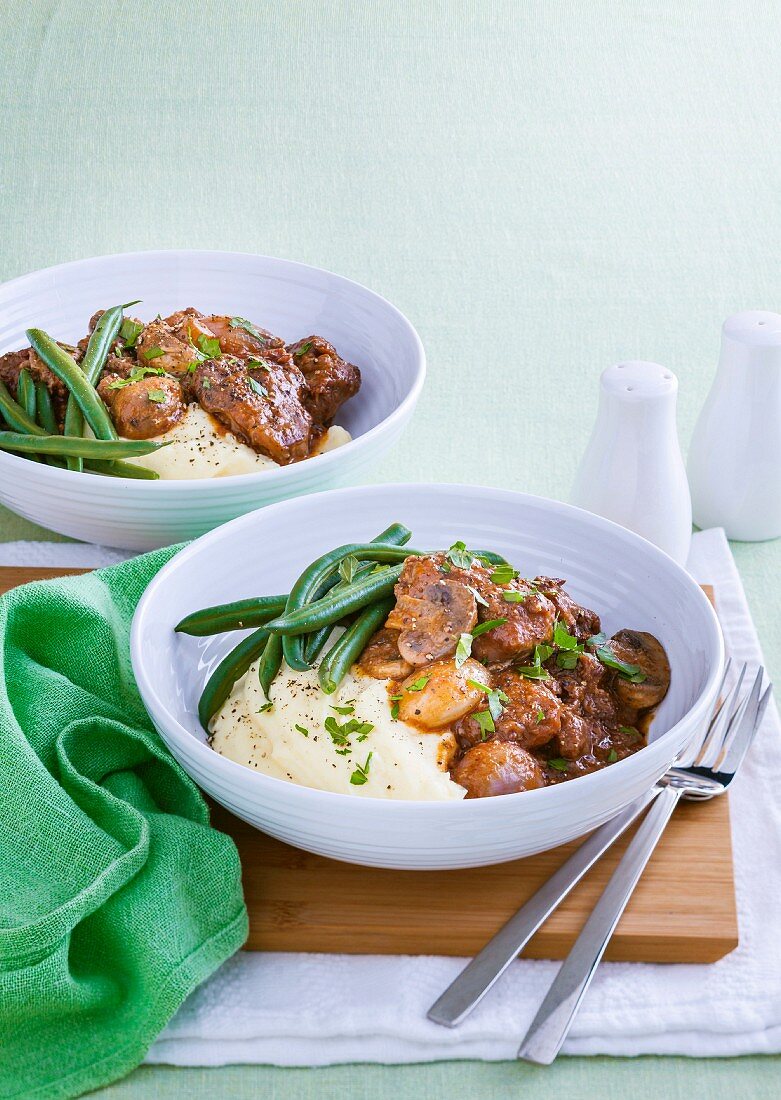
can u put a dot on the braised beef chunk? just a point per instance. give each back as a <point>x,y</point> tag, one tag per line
<point>144,408</point>
<point>244,340</point>
<point>381,658</point>
<point>330,379</point>
<point>530,716</point>
<point>260,402</point>
<point>26,359</point>
<point>578,620</point>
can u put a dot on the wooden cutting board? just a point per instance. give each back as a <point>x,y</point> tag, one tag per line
<point>682,911</point>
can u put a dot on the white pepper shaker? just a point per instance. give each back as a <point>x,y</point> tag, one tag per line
<point>735,453</point>
<point>632,470</point>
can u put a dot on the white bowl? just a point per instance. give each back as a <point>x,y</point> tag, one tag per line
<point>290,299</point>
<point>627,580</point>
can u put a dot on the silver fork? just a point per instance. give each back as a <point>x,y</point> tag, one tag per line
<point>480,975</point>
<point>704,771</point>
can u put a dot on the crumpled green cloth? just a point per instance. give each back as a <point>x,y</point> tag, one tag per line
<point>116,897</point>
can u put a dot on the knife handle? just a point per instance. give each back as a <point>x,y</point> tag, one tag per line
<point>472,984</point>
<point>551,1025</point>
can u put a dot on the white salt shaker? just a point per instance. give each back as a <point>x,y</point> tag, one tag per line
<point>632,471</point>
<point>735,453</point>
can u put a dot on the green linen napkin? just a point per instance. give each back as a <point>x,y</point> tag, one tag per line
<point>116,897</point>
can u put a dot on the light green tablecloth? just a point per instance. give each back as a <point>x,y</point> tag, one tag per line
<point>544,188</point>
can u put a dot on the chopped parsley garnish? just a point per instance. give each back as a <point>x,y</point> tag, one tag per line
<point>601,646</point>
<point>478,598</point>
<point>612,756</point>
<point>348,567</point>
<point>209,346</point>
<point>463,649</point>
<point>153,353</point>
<point>158,396</point>
<point>361,773</point>
<point>303,349</point>
<point>341,734</point>
<point>464,646</point>
<point>558,764</point>
<point>489,624</point>
<point>395,708</point>
<point>631,731</point>
<point>503,574</point>
<point>535,671</point>
<point>256,387</point>
<point>302,729</point>
<point>568,646</point>
<point>130,332</point>
<point>562,638</point>
<point>419,684</point>
<point>496,698</point>
<point>242,322</point>
<point>343,710</point>
<point>136,374</point>
<point>206,384</point>
<point>540,716</point>
<point>459,556</point>
<point>512,596</point>
<point>485,721</point>
<point>265,707</point>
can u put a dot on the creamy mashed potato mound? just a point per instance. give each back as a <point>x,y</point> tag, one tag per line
<point>290,741</point>
<point>199,448</point>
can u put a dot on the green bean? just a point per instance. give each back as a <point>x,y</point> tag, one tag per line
<point>15,415</point>
<point>45,409</point>
<point>270,663</point>
<point>314,582</point>
<point>44,414</point>
<point>336,605</point>
<point>121,469</point>
<point>315,642</point>
<point>347,649</point>
<point>67,444</point>
<point>490,557</point>
<point>103,336</point>
<point>70,373</point>
<point>232,616</point>
<point>228,671</point>
<point>25,393</point>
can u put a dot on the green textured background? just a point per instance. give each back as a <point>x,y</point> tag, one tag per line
<point>544,188</point>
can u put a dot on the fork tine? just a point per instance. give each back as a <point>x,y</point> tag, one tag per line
<point>741,742</point>
<point>716,728</point>
<point>725,721</point>
<point>689,753</point>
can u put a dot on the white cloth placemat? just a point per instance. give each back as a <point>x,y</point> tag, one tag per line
<point>295,1009</point>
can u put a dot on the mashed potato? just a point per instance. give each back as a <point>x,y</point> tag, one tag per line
<point>290,741</point>
<point>198,448</point>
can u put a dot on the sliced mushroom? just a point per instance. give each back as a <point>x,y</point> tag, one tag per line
<point>636,647</point>
<point>381,658</point>
<point>440,694</point>
<point>431,623</point>
<point>497,767</point>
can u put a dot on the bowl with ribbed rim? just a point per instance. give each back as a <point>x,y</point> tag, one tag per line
<point>290,299</point>
<point>630,582</point>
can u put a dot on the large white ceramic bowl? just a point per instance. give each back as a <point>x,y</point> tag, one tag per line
<point>626,579</point>
<point>290,299</point>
